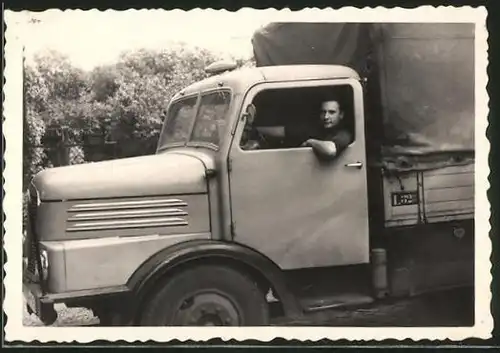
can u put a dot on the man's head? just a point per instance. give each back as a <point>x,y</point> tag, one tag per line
<point>331,115</point>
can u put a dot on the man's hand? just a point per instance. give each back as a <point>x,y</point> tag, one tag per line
<point>304,144</point>
<point>307,143</point>
<point>251,145</point>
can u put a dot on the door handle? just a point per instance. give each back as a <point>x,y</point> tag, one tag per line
<point>358,165</point>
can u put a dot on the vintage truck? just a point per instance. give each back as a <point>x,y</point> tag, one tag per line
<point>205,232</point>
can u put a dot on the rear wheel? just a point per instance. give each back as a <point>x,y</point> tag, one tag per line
<point>207,296</point>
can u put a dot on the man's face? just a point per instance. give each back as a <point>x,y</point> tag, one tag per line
<point>330,114</point>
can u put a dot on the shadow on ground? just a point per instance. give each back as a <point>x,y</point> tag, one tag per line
<point>451,308</point>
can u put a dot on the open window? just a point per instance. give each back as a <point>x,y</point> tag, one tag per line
<point>286,117</point>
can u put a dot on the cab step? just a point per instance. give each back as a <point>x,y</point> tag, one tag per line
<point>310,305</point>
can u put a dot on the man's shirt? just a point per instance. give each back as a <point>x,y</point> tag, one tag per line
<point>340,136</point>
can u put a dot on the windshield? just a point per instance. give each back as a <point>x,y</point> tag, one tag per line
<point>209,125</point>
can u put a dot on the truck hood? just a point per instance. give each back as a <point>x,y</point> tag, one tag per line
<point>161,174</point>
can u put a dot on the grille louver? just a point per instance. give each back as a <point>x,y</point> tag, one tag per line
<point>127,215</point>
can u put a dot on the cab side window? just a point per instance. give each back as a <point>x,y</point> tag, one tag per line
<point>287,118</point>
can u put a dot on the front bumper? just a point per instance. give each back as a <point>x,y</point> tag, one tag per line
<point>42,305</point>
<point>39,304</point>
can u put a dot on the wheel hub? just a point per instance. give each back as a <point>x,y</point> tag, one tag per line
<point>207,309</point>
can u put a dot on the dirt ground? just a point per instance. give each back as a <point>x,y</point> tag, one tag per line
<point>452,308</point>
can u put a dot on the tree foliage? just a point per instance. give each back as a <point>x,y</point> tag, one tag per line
<point>144,83</point>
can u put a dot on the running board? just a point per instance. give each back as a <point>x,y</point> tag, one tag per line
<point>310,305</point>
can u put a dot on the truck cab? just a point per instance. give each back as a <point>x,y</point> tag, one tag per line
<point>208,232</point>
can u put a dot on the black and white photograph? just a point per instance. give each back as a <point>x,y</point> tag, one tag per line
<point>298,174</point>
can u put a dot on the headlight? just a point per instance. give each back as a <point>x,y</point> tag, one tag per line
<point>25,264</point>
<point>44,261</point>
<point>25,244</point>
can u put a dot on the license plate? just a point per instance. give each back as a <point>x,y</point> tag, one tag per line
<point>404,198</point>
<point>30,300</point>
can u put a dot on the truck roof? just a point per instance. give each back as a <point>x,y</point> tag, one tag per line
<point>241,79</point>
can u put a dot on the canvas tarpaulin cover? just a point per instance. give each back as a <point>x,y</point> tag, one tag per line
<point>424,73</point>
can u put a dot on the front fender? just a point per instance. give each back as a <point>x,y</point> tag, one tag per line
<point>172,257</point>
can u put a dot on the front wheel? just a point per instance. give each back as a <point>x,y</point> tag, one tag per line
<point>207,296</point>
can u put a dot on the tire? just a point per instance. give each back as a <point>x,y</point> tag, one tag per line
<point>207,296</point>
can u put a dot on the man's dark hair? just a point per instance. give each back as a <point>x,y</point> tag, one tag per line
<point>332,100</point>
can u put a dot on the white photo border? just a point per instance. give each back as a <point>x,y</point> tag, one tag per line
<point>12,203</point>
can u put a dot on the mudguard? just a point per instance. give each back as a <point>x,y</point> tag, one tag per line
<point>168,259</point>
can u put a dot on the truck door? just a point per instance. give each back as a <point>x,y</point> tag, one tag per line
<point>288,204</point>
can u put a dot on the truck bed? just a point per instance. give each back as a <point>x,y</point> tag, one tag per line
<point>430,196</point>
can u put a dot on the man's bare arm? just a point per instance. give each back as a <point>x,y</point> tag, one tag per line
<point>326,149</point>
